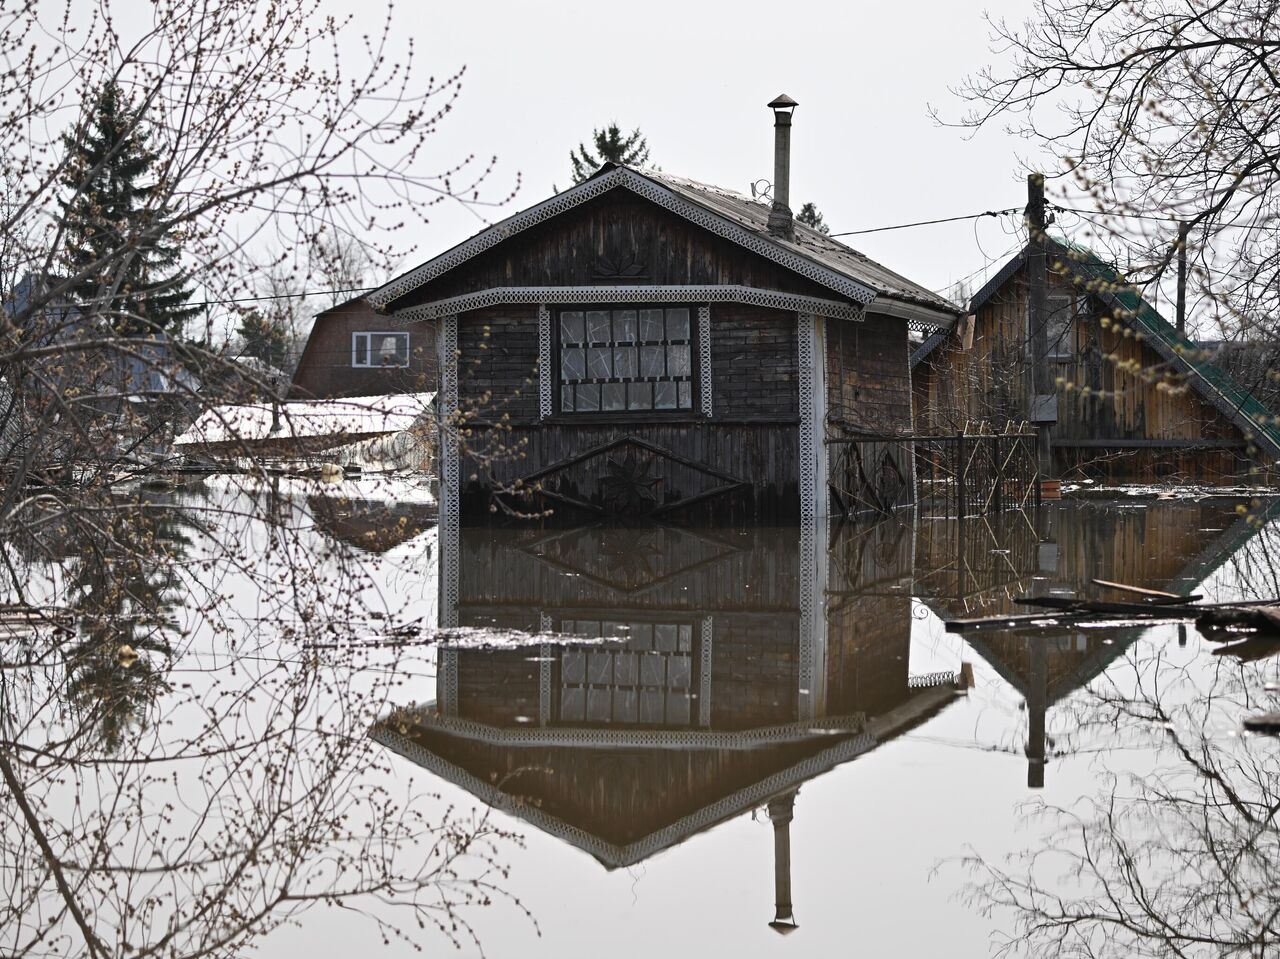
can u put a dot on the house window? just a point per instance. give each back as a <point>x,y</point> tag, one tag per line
<point>1060,328</point>
<point>380,349</point>
<point>647,681</point>
<point>626,360</point>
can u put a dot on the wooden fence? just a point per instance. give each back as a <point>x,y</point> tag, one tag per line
<point>966,474</point>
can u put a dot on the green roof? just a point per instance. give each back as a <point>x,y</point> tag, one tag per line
<point>1218,387</point>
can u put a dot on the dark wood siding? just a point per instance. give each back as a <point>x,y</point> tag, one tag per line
<point>752,438</point>
<point>869,382</point>
<point>325,369</point>
<point>988,383</point>
<point>605,241</point>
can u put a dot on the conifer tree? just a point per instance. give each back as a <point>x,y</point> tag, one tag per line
<point>811,218</point>
<point>611,145</point>
<point>111,205</point>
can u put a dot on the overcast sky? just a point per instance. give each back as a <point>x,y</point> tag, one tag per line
<point>695,77</point>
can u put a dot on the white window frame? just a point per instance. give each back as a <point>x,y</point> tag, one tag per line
<point>370,337</point>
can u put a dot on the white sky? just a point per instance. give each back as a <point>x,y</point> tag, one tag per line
<point>695,77</point>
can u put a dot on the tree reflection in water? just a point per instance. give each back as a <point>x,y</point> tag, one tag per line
<point>183,749</point>
<point>1178,859</point>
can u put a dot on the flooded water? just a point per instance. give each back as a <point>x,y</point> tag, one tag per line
<point>645,740</point>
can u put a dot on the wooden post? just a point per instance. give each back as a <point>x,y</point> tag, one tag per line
<point>1042,387</point>
<point>1183,230</point>
<point>962,475</point>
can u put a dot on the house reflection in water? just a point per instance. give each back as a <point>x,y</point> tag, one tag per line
<point>719,680</point>
<point>720,672</point>
<point>979,569</point>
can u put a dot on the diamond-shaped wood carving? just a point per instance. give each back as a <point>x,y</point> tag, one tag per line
<point>630,477</point>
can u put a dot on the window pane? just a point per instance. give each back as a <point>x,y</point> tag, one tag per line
<point>650,324</point>
<point>624,705</point>
<point>624,326</point>
<point>393,350</point>
<point>572,704</point>
<point>573,364</point>
<point>566,399</point>
<point>678,672</point>
<point>652,670</point>
<point>678,324</point>
<point>361,349</point>
<point>677,361</point>
<point>686,395</point>
<point>651,361</point>
<point>598,326</point>
<point>686,637</point>
<point>639,396</point>
<point>600,669</point>
<point>678,708</point>
<point>651,706</point>
<point>664,638</point>
<point>573,666</point>
<point>588,397</point>
<point>571,327</point>
<point>598,705</point>
<point>664,395</point>
<point>624,362</point>
<point>613,396</point>
<point>625,669</point>
<point>599,363</point>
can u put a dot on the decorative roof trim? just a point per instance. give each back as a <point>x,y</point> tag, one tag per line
<point>597,186</point>
<point>755,296</point>
<point>611,738</point>
<point>923,705</point>
<point>921,318</point>
<point>611,854</point>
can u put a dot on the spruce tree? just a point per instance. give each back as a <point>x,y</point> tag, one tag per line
<point>811,218</point>
<point>610,146</point>
<point>110,205</point>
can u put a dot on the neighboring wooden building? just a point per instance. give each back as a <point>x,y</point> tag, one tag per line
<point>353,351</point>
<point>641,343</point>
<point>1186,417</point>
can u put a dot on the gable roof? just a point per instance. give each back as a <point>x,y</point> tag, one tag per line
<point>1092,274</point>
<point>643,811</point>
<point>725,213</point>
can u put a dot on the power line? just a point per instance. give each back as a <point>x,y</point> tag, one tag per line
<point>283,296</point>
<point>949,219</point>
<point>1156,218</point>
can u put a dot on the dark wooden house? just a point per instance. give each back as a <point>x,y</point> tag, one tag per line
<point>1136,400</point>
<point>354,351</point>
<point>643,343</point>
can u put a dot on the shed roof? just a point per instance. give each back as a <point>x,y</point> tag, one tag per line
<point>726,213</point>
<point>1103,280</point>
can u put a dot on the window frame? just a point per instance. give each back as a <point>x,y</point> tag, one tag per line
<point>667,414</point>
<point>368,352</point>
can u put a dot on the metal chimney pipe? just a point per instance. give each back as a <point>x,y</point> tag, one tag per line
<point>781,222</point>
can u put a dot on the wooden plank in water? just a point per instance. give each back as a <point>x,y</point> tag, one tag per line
<point>1142,591</point>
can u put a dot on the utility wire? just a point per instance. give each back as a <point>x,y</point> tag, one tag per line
<point>1154,217</point>
<point>949,219</point>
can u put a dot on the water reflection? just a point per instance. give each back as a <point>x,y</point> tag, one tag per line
<point>708,693</point>
<point>724,672</point>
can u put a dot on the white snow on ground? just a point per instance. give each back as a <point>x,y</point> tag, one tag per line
<point>303,419</point>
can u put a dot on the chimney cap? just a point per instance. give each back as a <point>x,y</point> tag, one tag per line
<point>782,102</point>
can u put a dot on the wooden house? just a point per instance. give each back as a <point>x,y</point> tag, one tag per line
<point>644,343</point>
<point>354,351</point>
<point>1135,398</point>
